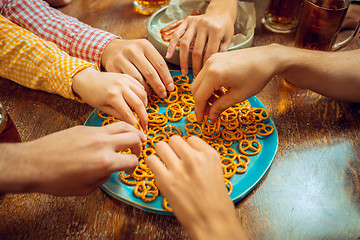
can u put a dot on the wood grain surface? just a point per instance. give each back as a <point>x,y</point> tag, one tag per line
<point>312,190</point>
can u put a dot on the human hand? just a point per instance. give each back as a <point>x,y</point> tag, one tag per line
<point>141,60</point>
<point>113,93</point>
<point>194,186</point>
<point>75,161</point>
<point>207,34</point>
<point>243,72</point>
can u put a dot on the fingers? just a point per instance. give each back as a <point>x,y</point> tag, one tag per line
<point>198,50</point>
<point>138,106</point>
<point>127,140</point>
<point>123,162</point>
<point>201,94</point>
<point>157,167</point>
<point>122,127</point>
<point>227,100</point>
<point>180,147</point>
<point>128,68</point>
<point>179,32</point>
<point>151,75</point>
<point>160,66</point>
<point>213,45</point>
<point>185,43</point>
<point>200,145</point>
<point>167,155</point>
<point>120,110</point>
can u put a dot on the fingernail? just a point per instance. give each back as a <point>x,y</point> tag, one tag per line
<point>167,55</point>
<point>170,86</point>
<point>145,137</point>
<point>183,71</point>
<point>162,95</point>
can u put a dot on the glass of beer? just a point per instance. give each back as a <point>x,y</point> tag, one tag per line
<point>282,16</point>
<point>8,131</point>
<point>320,23</point>
<point>148,7</point>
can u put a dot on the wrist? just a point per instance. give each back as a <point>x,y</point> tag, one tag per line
<point>17,174</point>
<point>219,222</point>
<point>108,50</point>
<point>80,80</point>
<point>282,58</point>
<point>218,7</point>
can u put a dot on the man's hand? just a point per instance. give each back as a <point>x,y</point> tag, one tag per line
<point>142,61</point>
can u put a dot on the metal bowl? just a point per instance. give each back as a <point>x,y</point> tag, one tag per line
<point>153,35</point>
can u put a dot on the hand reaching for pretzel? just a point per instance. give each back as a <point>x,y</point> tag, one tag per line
<point>206,34</point>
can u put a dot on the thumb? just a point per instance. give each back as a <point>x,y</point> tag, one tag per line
<point>225,101</point>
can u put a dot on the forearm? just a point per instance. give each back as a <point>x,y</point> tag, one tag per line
<point>227,8</point>
<point>13,177</point>
<point>68,33</point>
<point>220,224</point>
<point>35,63</point>
<point>335,75</point>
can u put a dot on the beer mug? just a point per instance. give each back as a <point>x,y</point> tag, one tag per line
<point>320,23</point>
<point>281,16</point>
<point>148,7</point>
<point>8,132</point>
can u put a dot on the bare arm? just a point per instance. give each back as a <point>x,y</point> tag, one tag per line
<point>194,186</point>
<point>209,33</point>
<point>75,161</point>
<point>246,72</point>
<point>335,75</point>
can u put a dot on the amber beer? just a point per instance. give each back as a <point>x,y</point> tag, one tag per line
<point>320,23</point>
<point>282,15</point>
<point>148,7</point>
<point>8,132</point>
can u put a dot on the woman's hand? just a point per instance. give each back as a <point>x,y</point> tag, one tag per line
<point>206,34</point>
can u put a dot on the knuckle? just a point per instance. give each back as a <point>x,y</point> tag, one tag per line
<point>197,53</point>
<point>184,43</point>
<point>160,64</point>
<point>144,42</point>
<point>159,88</point>
<point>216,28</point>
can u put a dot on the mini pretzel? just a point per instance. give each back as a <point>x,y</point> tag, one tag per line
<point>264,129</point>
<point>170,130</point>
<point>243,162</point>
<point>146,190</point>
<point>193,129</point>
<point>157,119</point>
<point>148,152</point>
<point>158,138</point>
<point>191,117</point>
<point>140,173</point>
<point>174,112</point>
<point>249,147</point>
<point>166,205</point>
<point>261,114</point>
<point>181,79</point>
<point>128,179</point>
<point>229,167</point>
<point>229,115</point>
<point>210,127</point>
<point>228,185</point>
<point>102,114</point>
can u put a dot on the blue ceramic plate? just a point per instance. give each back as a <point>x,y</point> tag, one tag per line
<point>243,184</point>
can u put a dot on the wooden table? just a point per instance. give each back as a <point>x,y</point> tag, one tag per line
<point>312,190</point>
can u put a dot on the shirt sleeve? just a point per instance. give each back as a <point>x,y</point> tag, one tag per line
<point>68,33</point>
<point>35,63</point>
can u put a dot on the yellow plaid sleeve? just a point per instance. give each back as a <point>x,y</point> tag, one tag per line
<point>35,63</point>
